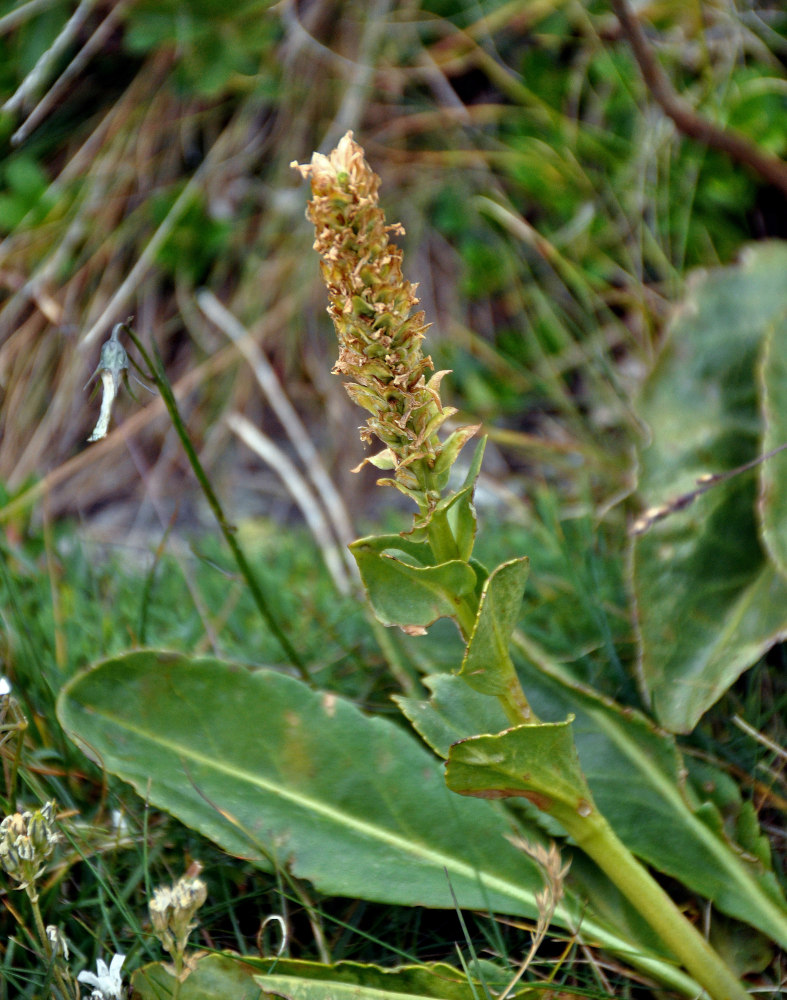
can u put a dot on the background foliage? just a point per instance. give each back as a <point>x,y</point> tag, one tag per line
<point>553,215</point>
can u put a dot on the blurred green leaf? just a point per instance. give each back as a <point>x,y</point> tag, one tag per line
<point>773,472</point>
<point>213,977</point>
<point>709,602</point>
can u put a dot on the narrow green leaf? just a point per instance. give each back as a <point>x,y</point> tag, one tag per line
<point>461,509</point>
<point>709,602</point>
<point>487,665</point>
<point>404,594</point>
<point>773,472</point>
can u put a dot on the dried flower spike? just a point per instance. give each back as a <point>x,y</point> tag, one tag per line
<point>371,305</point>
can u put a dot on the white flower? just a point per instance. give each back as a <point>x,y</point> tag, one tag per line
<point>107,985</point>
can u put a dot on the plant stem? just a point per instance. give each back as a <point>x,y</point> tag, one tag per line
<point>162,382</point>
<point>49,950</point>
<point>599,841</point>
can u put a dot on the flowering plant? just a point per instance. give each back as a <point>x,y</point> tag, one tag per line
<point>419,576</point>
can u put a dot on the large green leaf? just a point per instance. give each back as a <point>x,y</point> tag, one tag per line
<point>271,770</point>
<point>709,602</point>
<point>214,977</point>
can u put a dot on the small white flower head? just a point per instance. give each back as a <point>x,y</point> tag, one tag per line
<point>107,984</point>
<point>5,686</point>
<point>172,912</point>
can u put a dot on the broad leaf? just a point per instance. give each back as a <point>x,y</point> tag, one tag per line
<point>709,602</point>
<point>278,773</point>
<point>214,977</point>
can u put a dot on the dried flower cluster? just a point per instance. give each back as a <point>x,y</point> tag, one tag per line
<point>26,841</point>
<point>172,913</point>
<point>371,305</point>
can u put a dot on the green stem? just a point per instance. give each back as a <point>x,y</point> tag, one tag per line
<point>49,950</point>
<point>598,840</point>
<point>162,382</point>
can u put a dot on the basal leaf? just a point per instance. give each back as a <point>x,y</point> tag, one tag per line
<point>281,774</point>
<point>313,981</point>
<point>276,772</point>
<point>214,977</point>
